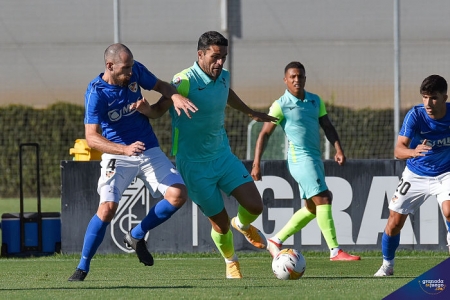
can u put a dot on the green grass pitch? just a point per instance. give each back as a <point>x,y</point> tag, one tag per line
<point>202,276</point>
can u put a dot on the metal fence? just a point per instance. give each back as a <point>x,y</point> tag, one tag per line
<point>49,52</point>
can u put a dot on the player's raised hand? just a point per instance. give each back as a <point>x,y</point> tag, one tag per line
<point>134,149</point>
<point>262,117</point>
<point>183,103</point>
<point>421,149</point>
<point>141,106</point>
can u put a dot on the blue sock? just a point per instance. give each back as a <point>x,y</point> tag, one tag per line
<point>95,233</point>
<point>158,214</point>
<point>448,225</point>
<point>388,245</point>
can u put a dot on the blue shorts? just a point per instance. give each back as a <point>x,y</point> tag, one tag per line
<point>206,180</point>
<point>310,176</point>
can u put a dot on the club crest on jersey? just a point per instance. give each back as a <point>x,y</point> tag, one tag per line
<point>133,87</point>
<point>176,82</point>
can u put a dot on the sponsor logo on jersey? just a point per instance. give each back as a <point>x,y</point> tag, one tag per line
<point>439,143</point>
<point>116,114</point>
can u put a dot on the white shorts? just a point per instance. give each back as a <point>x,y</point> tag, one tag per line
<point>152,167</point>
<point>413,190</point>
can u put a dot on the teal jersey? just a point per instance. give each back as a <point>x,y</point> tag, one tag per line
<point>300,122</point>
<point>203,137</point>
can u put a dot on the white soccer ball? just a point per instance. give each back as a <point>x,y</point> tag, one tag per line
<point>289,264</point>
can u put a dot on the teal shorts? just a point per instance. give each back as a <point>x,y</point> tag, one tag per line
<point>206,180</point>
<point>310,176</point>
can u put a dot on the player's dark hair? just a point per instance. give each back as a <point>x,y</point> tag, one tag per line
<point>294,65</point>
<point>433,84</point>
<point>210,38</point>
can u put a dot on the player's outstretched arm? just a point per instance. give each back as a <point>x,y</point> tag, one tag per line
<point>96,141</point>
<point>235,102</point>
<point>179,102</point>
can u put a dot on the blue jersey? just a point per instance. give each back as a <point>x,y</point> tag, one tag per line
<point>418,126</point>
<point>109,106</point>
<point>201,138</point>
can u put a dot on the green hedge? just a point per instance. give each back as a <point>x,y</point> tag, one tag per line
<point>364,134</point>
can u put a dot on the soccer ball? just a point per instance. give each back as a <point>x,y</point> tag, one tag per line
<point>288,264</point>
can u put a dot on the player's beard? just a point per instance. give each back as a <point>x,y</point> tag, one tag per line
<point>124,82</point>
<point>216,73</point>
<point>212,72</point>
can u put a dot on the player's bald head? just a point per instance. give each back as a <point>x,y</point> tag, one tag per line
<point>112,53</point>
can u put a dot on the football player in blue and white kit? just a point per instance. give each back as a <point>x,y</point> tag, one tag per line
<point>424,141</point>
<point>117,124</point>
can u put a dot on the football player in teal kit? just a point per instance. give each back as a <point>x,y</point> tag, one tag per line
<point>301,114</point>
<point>203,154</point>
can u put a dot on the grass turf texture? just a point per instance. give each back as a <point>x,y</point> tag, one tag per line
<point>202,276</point>
<point>9,205</point>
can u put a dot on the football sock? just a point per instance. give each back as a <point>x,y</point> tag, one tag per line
<point>244,218</point>
<point>326,224</point>
<point>95,233</point>
<point>276,240</point>
<point>299,220</point>
<point>334,251</point>
<point>448,225</point>
<point>224,243</point>
<point>231,259</point>
<point>388,245</point>
<point>158,214</point>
